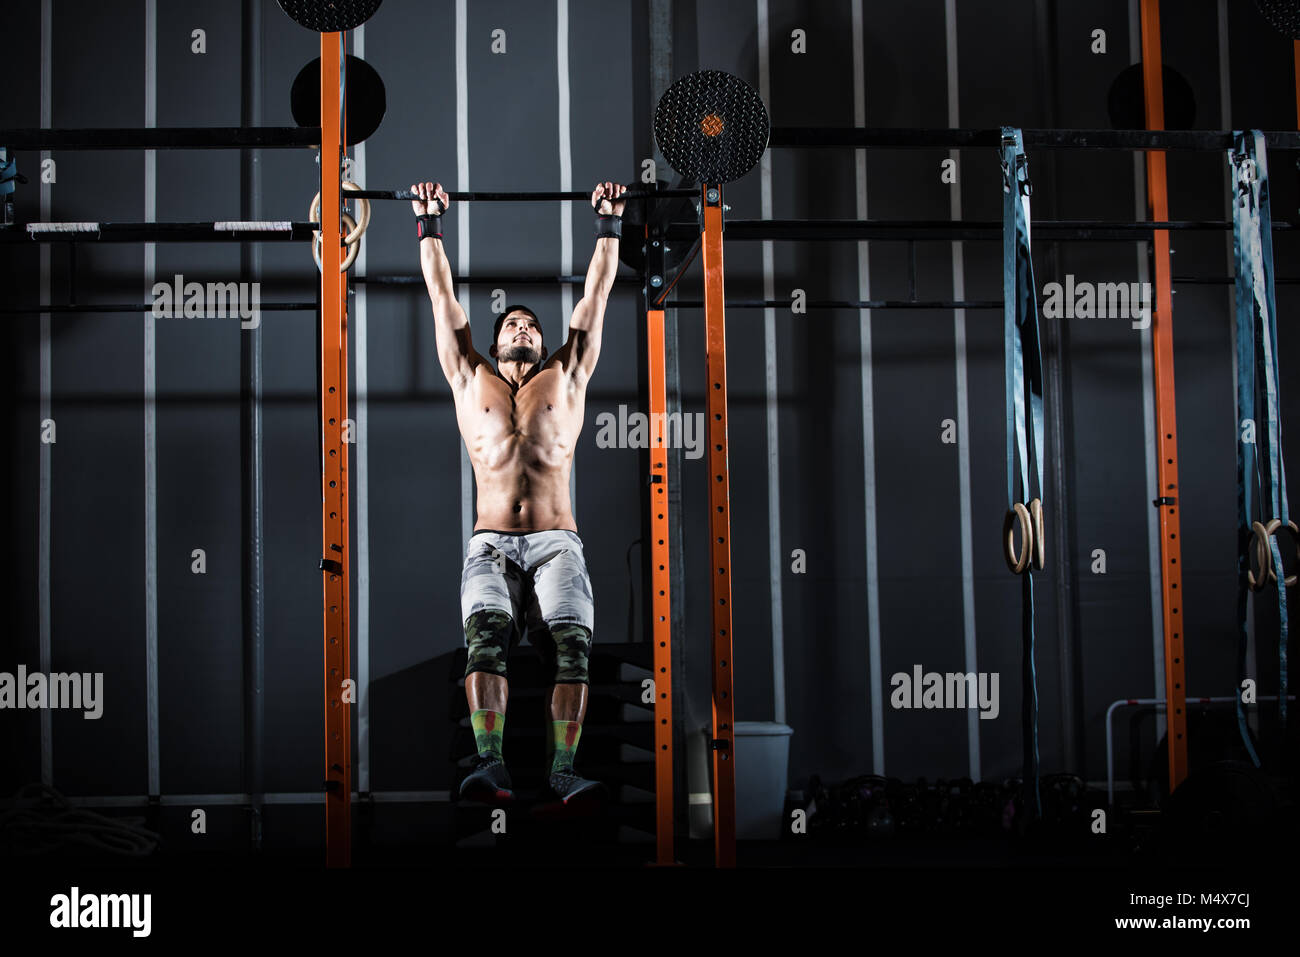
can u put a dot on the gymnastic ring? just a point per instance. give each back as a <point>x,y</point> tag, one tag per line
<point>1272,528</point>
<point>363,214</point>
<point>363,211</point>
<point>1017,563</point>
<point>1263,555</point>
<point>1040,538</point>
<point>348,260</point>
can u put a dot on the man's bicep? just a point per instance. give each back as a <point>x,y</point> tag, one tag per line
<point>455,345</point>
<point>582,348</point>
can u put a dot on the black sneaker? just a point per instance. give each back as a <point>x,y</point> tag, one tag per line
<point>488,781</point>
<point>576,791</point>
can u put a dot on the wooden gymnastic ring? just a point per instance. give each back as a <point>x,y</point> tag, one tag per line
<point>1017,563</point>
<point>1263,556</point>
<point>1040,535</point>
<point>363,214</point>
<point>348,260</point>
<point>1272,528</point>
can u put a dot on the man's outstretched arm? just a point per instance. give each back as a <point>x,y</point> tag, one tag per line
<point>580,351</point>
<point>455,350</point>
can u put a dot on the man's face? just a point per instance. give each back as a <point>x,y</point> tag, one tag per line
<point>520,339</point>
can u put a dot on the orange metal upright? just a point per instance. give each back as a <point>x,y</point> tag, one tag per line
<point>1162,346</point>
<point>335,561</point>
<point>661,599</point>
<point>724,770</point>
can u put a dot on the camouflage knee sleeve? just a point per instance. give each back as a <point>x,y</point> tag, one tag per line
<point>572,645</point>
<point>487,635</point>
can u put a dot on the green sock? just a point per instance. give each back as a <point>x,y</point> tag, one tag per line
<point>488,727</point>
<point>566,735</point>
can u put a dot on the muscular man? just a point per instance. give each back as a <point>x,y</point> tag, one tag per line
<point>524,568</point>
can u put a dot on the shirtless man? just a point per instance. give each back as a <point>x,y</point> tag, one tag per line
<point>524,567</point>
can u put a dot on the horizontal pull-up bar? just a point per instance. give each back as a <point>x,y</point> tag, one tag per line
<point>158,138</point>
<point>919,138</point>
<point>743,230</point>
<point>487,279</point>
<point>478,196</point>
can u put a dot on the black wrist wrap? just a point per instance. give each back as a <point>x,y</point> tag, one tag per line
<point>609,226</point>
<point>428,225</point>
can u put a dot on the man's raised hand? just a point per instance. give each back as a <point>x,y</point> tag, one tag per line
<point>605,194</point>
<point>431,195</point>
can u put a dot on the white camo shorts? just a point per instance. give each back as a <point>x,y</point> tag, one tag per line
<point>536,577</point>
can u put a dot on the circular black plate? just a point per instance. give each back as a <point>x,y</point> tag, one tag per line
<point>329,16</point>
<point>1126,102</point>
<point>1284,15</point>
<point>712,127</point>
<point>365,105</point>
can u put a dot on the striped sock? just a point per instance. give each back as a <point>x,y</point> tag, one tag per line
<point>488,727</point>
<point>566,735</point>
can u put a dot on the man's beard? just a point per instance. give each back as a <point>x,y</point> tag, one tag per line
<point>521,354</point>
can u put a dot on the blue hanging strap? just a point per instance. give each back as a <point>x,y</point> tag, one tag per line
<point>1024,391</point>
<point>8,174</point>
<point>1257,366</point>
<point>9,179</point>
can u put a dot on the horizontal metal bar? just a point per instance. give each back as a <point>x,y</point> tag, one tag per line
<point>489,279</point>
<point>202,800</point>
<point>740,229</point>
<point>480,196</point>
<point>798,230</point>
<point>1225,280</point>
<point>140,307</point>
<point>919,138</point>
<point>541,280</point>
<point>154,232</point>
<point>151,138</point>
<point>290,137</point>
<point>845,304</point>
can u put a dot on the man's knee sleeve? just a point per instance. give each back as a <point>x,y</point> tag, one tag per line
<point>487,635</point>
<point>572,645</point>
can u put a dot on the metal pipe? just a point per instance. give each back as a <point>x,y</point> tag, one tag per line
<point>157,233</point>
<point>792,230</point>
<point>1158,702</point>
<point>486,280</point>
<point>90,307</point>
<point>480,196</point>
<point>156,138</point>
<point>743,230</point>
<point>850,304</point>
<point>290,137</point>
<point>820,137</point>
<point>250,433</point>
